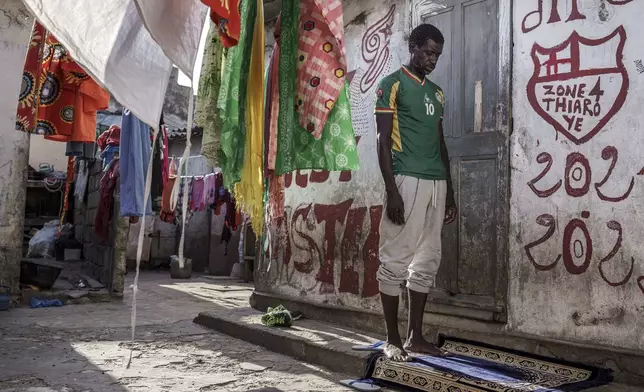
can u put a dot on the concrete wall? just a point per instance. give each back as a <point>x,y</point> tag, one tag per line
<point>15,31</point>
<point>577,166</point>
<point>325,249</point>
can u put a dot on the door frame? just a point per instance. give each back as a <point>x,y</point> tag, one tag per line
<point>467,305</point>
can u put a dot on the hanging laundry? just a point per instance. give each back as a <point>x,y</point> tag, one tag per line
<point>197,201</point>
<point>321,63</point>
<point>298,148</point>
<point>111,137</point>
<point>227,16</point>
<point>135,154</point>
<point>232,99</point>
<point>167,211</point>
<point>57,97</point>
<point>104,211</point>
<point>210,189</point>
<point>90,98</point>
<point>182,194</point>
<point>272,106</point>
<point>165,160</point>
<point>207,114</point>
<point>249,192</point>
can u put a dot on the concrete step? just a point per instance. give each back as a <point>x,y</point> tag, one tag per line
<point>315,342</point>
<point>310,341</point>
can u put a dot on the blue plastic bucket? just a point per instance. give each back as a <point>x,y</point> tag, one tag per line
<point>5,298</point>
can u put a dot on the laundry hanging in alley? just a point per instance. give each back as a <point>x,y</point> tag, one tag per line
<point>232,98</point>
<point>298,148</point>
<point>207,111</point>
<point>135,150</point>
<point>227,17</point>
<point>58,99</point>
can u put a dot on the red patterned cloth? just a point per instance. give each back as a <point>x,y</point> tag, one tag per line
<point>226,14</point>
<point>321,66</point>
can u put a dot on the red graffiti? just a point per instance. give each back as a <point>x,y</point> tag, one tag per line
<point>554,15</point>
<point>545,220</point>
<point>577,167</point>
<point>340,222</point>
<point>578,176</point>
<point>316,176</point>
<point>641,173</point>
<point>618,2</point>
<point>616,226</point>
<point>350,251</point>
<point>330,215</point>
<point>610,153</point>
<point>560,89</point>
<point>375,49</point>
<point>577,248</point>
<point>546,158</point>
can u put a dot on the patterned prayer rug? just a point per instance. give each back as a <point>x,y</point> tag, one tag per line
<point>477,367</point>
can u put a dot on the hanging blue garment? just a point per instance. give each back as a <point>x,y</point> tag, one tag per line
<point>135,153</point>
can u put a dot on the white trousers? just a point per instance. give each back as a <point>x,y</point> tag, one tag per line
<point>412,251</point>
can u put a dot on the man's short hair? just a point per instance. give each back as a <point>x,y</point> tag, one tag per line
<point>424,32</point>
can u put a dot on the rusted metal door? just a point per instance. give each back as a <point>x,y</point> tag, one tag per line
<point>474,72</point>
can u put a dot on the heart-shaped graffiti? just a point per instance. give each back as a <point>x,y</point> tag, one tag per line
<point>579,85</point>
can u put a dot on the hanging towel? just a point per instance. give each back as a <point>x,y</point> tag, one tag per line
<point>321,63</point>
<point>232,99</point>
<point>207,114</point>
<point>272,104</point>
<point>249,192</point>
<point>135,154</point>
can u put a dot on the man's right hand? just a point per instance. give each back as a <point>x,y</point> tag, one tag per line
<point>395,207</point>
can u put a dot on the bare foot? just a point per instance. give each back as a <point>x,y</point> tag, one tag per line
<point>422,346</point>
<point>395,353</point>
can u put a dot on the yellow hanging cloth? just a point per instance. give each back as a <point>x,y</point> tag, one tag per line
<point>249,192</point>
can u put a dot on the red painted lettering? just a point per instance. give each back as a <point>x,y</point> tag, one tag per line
<point>610,153</point>
<point>577,169</point>
<point>330,215</point>
<point>577,248</point>
<point>615,226</point>
<point>349,251</point>
<point>545,220</point>
<point>310,246</point>
<point>546,158</point>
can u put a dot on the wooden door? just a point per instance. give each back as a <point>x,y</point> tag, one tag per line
<point>474,72</point>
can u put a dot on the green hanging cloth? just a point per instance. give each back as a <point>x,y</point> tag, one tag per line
<point>207,112</point>
<point>336,150</point>
<point>232,99</point>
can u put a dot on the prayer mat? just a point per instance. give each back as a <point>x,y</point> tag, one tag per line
<point>478,367</point>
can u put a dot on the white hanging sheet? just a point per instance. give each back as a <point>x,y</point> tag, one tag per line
<point>110,40</point>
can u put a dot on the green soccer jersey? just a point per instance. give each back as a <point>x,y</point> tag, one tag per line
<point>417,106</point>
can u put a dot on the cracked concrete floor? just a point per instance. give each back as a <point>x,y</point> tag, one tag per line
<point>83,348</point>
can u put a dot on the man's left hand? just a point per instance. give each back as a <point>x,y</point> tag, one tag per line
<point>450,215</point>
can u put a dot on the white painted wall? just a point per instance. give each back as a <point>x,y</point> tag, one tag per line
<point>572,301</point>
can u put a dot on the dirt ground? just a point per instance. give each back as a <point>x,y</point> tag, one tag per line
<point>82,348</point>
